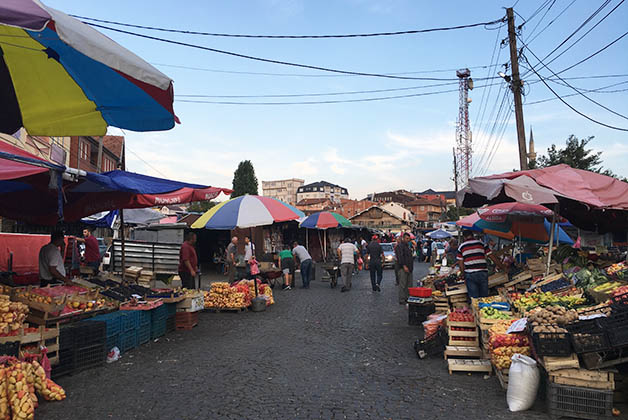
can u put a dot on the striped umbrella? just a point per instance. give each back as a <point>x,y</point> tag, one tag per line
<point>61,77</point>
<point>324,220</point>
<point>247,211</point>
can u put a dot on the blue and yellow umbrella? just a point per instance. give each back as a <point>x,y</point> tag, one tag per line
<point>61,77</point>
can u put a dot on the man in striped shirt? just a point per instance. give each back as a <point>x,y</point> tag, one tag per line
<point>472,256</point>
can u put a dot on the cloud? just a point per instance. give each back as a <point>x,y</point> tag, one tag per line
<point>435,143</point>
<point>305,168</point>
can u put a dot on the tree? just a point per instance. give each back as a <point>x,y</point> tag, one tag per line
<point>576,155</point>
<point>201,206</point>
<point>244,180</point>
<point>454,214</point>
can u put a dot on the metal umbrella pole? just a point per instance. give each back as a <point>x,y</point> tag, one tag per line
<point>551,240</point>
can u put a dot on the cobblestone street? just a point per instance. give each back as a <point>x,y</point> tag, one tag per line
<point>316,353</point>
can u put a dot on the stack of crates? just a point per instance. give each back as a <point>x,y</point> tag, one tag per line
<point>143,333</point>
<point>171,323</point>
<point>81,346</point>
<point>130,322</point>
<point>158,322</point>
<point>113,323</point>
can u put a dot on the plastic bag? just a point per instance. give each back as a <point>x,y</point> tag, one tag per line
<point>431,326</point>
<point>114,355</point>
<point>523,383</point>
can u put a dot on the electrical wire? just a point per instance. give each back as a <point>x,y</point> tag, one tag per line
<point>499,140</point>
<point>536,12</point>
<point>361,35</point>
<point>267,60</point>
<point>489,147</point>
<point>551,22</point>
<point>293,95</point>
<point>146,163</point>
<point>504,106</point>
<point>575,89</point>
<point>591,91</point>
<point>592,55</point>
<point>542,17</point>
<point>305,74</point>
<point>570,106</point>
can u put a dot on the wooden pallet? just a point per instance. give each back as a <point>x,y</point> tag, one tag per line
<point>556,363</point>
<point>217,310</point>
<point>466,352</point>
<point>469,365</point>
<point>584,378</point>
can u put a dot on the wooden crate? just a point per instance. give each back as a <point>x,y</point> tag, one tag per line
<point>463,343</point>
<point>584,378</point>
<point>469,365</point>
<point>556,363</point>
<point>458,289</point>
<point>521,277</point>
<point>460,324</point>
<point>497,279</point>
<point>465,352</point>
<point>466,333</point>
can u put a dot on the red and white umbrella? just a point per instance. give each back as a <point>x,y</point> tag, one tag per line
<point>498,213</point>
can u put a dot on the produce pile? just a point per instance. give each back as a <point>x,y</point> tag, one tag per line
<point>533,300</point>
<point>12,316</point>
<point>551,319</point>
<point>263,290</point>
<point>619,270</point>
<point>502,345</point>
<point>222,295</point>
<point>74,305</point>
<point>607,287</point>
<point>489,312</point>
<point>19,384</point>
<point>601,309</point>
<point>461,315</point>
<point>561,283</point>
<point>586,278</point>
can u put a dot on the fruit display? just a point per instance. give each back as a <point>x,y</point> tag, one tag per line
<point>508,340</point>
<point>561,283</point>
<point>618,270</point>
<point>222,295</point>
<point>84,305</point>
<point>263,290</point>
<point>607,287</point>
<point>586,278</point>
<point>492,313</point>
<point>620,291</point>
<point>551,316</point>
<point>12,315</point>
<point>500,327</point>
<point>601,309</point>
<point>461,315</point>
<point>533,300</point>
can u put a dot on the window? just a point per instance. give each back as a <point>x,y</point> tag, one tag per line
<point>108,165</point>
<point>84,150</point>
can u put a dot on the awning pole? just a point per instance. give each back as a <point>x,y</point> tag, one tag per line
<point>551,240</point>
<point>122,233</point>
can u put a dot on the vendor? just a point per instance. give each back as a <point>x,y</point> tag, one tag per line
<point>92,251</point>
<point>188,262</point>
<point>51,268</point>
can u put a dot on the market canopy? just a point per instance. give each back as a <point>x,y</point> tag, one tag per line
<point>61,77</point>
<point>247,211</point>
<point>37,194</point>
<point>131,217</point>
<point>439,234</point>
<point>587,199</point>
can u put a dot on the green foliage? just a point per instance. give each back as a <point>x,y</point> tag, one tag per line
<point>201,206</point>
<point>453,214</point>
<point>244,180</point>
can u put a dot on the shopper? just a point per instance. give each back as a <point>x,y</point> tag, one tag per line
<point>397,266</point>
<point>346,254</point>
<point>51,264</point>
<point>376,255</point>
<point>305,262</point>
<point>286,261</point>
<point>249,249</point>
<point>188,262</point>
<point>232,251</point>
<point>471,257</point>
<point>92,251</point>
<point>406,264</point>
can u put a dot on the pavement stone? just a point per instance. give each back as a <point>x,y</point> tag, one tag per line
<point>315,354</point>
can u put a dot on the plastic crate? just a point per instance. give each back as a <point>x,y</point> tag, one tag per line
<point>11,348</point>
<point>171,324</point>
<point>144,334</point>
<point>130,320</point>
<point>128,341</point>
<point>113,322</point>
<point>616,327</point>
<point>158,330</point>
<point>65,365</point>
<point>577,402</point>
<point>619,302</point>
<point>145,317</point>
<point>588,336</point>
<point>420,291</point>
<point>159,313</point>
<point>111,342</point>
<point>66,338</point>
<point>89,333</point>
<point>89,357</point>
<point>171,308</point>
<point>433,345</point>
<point>551,344</point>
<point>186,320</point>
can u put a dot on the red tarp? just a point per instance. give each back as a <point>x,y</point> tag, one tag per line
<point>12,170</point>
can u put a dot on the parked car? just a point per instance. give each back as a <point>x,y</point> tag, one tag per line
<point>389,255</point>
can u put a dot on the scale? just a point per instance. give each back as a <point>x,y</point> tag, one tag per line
<point>419,300</point>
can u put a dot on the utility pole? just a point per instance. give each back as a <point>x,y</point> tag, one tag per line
<point>456,180</point>
<point>463,130</point>
<point>516,89</point>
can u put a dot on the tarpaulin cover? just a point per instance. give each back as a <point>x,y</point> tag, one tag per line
<point>587,199</point>
<point>131,217</point>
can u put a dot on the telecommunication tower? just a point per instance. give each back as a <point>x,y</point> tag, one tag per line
<point>463,131</point>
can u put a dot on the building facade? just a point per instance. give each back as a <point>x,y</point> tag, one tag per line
<point>283,189</point>
<point>427,212</point>
<point>52,149</point>
<point>322,189</point>
<point>397,196</point>
<point>378,217</point>
<point>84,151</point>
<point>448,197</point>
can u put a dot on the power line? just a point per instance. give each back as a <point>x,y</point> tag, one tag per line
<point>293,95</point>
<point>576,90</point>
<point>551,22</point>
<point>361,35</point>
<point>571,107</point>
<point>267,60</point>
<point>542,17</point>
<point>146,163</point>
<point>600,90</point>
<point>303,74</point>
<point>381,98</point>
<point>590,56</point>
<point>488,146</point>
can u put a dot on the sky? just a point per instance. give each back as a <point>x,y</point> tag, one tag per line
<point>364,146</point>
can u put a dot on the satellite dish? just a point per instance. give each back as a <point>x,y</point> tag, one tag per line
<point>470,83</point>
